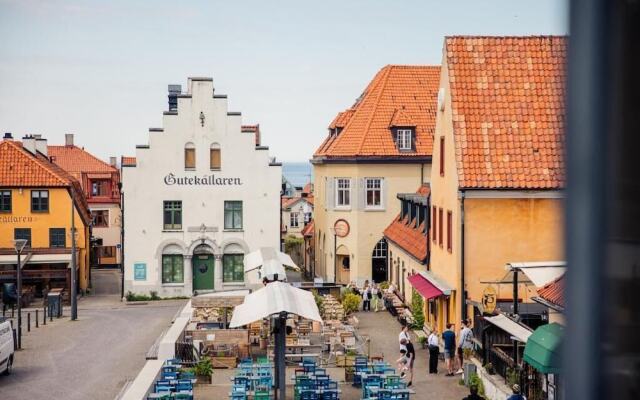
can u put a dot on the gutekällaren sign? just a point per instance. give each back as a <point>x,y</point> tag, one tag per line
<point>203,180</point>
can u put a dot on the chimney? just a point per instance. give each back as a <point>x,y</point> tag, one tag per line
<point>8,136</point>
<point>68,139</point>
<point>258,135</point>
<point>41,145</point>
<point>174,91</point>
<point>29,144</point>
<point>113,161</point>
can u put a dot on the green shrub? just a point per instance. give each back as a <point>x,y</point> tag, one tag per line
<point>513,377</point>
<point>384,285</point>
<point>154,295</point>
<point>319,301</point>
<point>474,380</point>
<point>204,367</point>
<point>350,303</point>
<point>417,305</point>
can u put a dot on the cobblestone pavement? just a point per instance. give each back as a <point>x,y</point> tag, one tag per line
<point>90,358</point>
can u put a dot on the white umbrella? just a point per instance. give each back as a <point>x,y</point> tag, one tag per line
<point>275,298</point>
<point>258,258</point>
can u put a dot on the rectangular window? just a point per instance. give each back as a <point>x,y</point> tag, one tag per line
<point>5,200</point>
<point>293,220</point>
<point>39,201</point>
<point>232,215</point>
<point>343,192</point>
<point>449,232</point>
<point>57,237</point>
<point>172,268</point>
<point>232,268</point>
<point>172,215</point>
<point>100,218</point>
<point>23,233</point>
<point>215,159</point>
<point>100,188</point>
<point>441,155</point>
<point>373,187</point>
<point>434,224</point>
<point>403,139</point>
<point>440,223</point>
<point>190,158</point>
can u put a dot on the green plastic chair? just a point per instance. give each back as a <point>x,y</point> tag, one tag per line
<point>262,395</point>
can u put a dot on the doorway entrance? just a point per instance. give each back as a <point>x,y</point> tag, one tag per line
<point>202,271</point>
<point>379,262</point>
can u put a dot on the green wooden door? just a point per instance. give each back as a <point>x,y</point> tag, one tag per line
<point>202,271</point>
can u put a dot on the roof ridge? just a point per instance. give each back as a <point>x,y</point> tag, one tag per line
<point>504,36</point>
<point>385,79</point>
<point>104,163</point>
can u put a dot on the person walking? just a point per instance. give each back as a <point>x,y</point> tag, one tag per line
<point>411,355</point>
<point>434,349</point>
<point>466,342</point>
<point>404,335</point>
<point>516,393</point>
<point>375,296</point>
<point>366,297</point>
<point>449,338</point>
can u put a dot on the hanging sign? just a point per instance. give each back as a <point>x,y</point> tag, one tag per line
<point>489,299</point>
<point>341,228</point>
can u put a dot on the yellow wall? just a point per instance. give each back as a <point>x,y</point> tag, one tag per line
<point>366,225</point>
<point>59,216</point>
<point>399,257</point>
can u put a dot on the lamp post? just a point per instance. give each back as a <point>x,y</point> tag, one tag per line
<point>19,245</point>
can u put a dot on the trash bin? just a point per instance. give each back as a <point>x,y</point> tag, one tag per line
<point>469,369</point>
<point>55,304</point>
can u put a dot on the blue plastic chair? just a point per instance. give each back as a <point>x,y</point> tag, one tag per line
<point>242,381</point>
<point>330,395</point>
<point>309,395</point>
<point>172,376</point>
<point>163,389</point>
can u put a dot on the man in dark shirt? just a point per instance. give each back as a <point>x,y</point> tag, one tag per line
<point>473,390</point>
<point>411,355</point>
<point>449,338</point>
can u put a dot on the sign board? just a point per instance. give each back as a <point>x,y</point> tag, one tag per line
<point>489,299</point>
<point>341,228</point>
<point>140,271</point>
<point>204,180</point>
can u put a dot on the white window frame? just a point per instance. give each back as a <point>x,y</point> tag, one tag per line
<point>404,139</point>
<point>294,217</point>
<point>338,189</point>
<point>380,188</point>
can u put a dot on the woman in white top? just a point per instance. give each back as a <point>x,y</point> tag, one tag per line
<point>404,334</point>
<point>434,349</point>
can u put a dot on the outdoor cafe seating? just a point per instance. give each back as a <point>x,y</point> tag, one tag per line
<point>173,383</point>
<point>313,383</point>
<point>252,378</point>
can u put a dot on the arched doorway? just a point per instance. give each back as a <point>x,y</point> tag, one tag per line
<point>203,266</point>
<point>379,261</point>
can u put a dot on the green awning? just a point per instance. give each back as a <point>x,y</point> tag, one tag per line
<point>542,350</point>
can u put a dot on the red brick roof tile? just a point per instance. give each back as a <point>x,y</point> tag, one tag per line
<point>309,229</point>
<point>553,292</point>
<point>408,90</point>
<point>507,100</point>
<point>128,161</point>
<point>76,160</point>
<point>412,239</point>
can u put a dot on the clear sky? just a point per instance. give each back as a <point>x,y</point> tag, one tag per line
<point>100,69</point>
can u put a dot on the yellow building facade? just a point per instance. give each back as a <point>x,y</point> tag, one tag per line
<point>36,203</point>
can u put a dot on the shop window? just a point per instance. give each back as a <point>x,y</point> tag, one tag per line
<point>293,219</point>
<point>343,192</point>
<point>5,200</point>
<point>449,232</point>
<point>57,237</point>
<point>23,233</point>
<point>100,218</point>
<point>172,215</point>
<point>39,201</point>
<point>215,157</point>
<point>189,156</point>
<point>440,223</point>
<point>100,188</point>
<point>172,268</point>
<point>232,215</point>
<point>233,268</point>
<point>373,187</point>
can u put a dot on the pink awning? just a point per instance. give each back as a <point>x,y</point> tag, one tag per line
<point>424,287</point>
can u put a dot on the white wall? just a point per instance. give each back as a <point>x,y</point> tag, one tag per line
<point>145,190</point>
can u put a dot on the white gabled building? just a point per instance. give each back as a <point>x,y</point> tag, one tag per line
<point>201,194</point>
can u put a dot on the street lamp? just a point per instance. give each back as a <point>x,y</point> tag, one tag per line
<point>19,245</point>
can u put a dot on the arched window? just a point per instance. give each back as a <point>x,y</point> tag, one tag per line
<point>172,264</point>
<point>215,157</point>
<point>232,264</point>
<point>189,156</point>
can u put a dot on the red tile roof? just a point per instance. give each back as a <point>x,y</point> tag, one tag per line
<point>410,92</point>
<point>287,202</point>
<point>309,229</point>
<point>128,161</point>
<point>308,188</point>
<point>407,236</point>
<point>76,160</point>
<point>553,292</point>
<point>507,100</point>
<point>21,168</point>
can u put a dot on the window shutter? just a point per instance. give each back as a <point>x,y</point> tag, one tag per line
<point>362,194</point>
<point>329,193</point>
<point>215,158</point>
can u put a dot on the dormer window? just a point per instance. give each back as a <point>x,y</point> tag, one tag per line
<point>404,139</point>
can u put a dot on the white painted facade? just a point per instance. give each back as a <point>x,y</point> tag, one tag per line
<point>246,174</point>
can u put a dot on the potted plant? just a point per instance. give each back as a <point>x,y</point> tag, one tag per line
<point>349,373</point>
<point>423,341</point>
<point>204,370</point>
<point>350,303</point>
<point>490,369</point>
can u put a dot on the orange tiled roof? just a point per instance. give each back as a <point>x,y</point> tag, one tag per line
<point>409,91</point>
<point>290,201</point>
<point>507,102</point>
<point>553,292</point>
<point>76,160</point>
<point>20,168</point>
<point>128,161</point>
<point>407,236</point>
<point>309,229</point>
<point>308,188</point>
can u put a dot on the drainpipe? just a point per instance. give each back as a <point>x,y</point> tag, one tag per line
<point>421,174</point>
<point>121,239</point>
<point>463,292</point>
